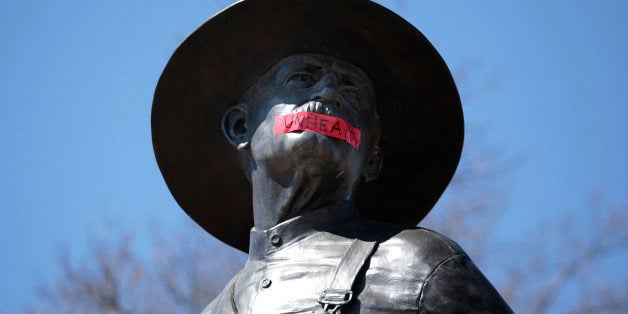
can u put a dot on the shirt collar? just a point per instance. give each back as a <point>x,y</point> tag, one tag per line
<point>264,242</point>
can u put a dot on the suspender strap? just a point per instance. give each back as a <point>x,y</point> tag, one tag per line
<point>339,288</point>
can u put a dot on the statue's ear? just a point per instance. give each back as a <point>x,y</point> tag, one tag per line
<point>234,126</point>
<point>373,165</point>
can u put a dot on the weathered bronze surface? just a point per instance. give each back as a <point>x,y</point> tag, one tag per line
<point>332,222</point>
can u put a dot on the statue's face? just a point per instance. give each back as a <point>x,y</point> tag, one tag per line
<point>316,83</point>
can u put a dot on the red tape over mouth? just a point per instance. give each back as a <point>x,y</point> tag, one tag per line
<point>323,124</point>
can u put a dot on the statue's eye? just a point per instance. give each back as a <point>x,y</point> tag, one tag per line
<point>300,80</point>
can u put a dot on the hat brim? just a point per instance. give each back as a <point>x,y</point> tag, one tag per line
<point>417,100</point>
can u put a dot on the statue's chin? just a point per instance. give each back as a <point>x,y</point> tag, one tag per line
<point>308,154</point>
<point>306,137</point>
<point>311,145</point>
<point>314,141</point>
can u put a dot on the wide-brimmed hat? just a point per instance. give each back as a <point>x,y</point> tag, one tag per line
<point>419,107</point>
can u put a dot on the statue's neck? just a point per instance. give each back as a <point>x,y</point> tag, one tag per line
<point>278,199</point>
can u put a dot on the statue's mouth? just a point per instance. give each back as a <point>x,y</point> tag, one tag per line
<point>308,117</point>
<point>315,106</point>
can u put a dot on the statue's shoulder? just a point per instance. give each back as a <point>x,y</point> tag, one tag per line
<point>418,246</point>
<point>413,240</point>
<point>224,302</point>
<point>399,247</point>
<point>449,281</point>
<point>422,238</point>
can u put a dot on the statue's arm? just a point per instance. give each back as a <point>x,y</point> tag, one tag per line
<point>456,285</point>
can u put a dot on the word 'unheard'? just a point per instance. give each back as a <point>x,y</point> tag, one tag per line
<point>323,124</point>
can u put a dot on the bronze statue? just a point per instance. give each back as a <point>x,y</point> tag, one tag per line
<point>331,128</point>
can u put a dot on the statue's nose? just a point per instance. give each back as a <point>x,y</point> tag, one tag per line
<point>328,90</point>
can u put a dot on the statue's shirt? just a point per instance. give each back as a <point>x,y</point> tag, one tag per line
<point>412,270</point>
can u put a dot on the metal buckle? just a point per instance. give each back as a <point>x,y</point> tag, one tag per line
<point>333,299</point>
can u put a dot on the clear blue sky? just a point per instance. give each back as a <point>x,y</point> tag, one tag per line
<point>77,79</point>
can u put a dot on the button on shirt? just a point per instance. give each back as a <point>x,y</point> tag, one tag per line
<point>412,270</point>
